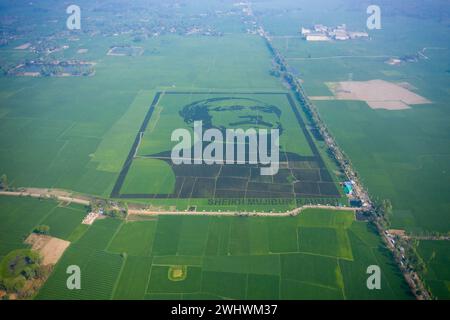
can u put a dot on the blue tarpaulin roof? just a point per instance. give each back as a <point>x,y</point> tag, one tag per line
<point>348,187</point>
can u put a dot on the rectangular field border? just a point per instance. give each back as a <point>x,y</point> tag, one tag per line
<point>115,193</point>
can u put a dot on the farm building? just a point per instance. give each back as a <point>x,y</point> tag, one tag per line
<point>305,31</point>
<point>348,188</point>
<point>317,37</point>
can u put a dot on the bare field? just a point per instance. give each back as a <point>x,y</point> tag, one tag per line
<point>50,248</point>
<point>378,94</point>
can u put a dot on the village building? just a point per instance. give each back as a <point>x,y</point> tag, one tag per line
<point>321,32</point>
<point>317,37</point>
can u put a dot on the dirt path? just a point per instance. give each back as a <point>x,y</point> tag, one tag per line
<point>47,193</point>
<point>293,212</point>
<point>66,196</point>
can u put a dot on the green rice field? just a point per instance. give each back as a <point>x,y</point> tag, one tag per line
<point>229,257</point>
<point>20,216</point>
<point>400,155</point>
<point>436,256</point>
<point>108,135</point>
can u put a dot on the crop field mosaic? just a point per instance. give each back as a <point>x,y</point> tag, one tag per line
<point>149,172</point>
<point>214,257</point>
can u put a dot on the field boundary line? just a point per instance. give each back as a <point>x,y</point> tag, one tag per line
<point>45,217</point>
<point>118,278</point>
<point>340,57</point>
<point>313,284</point>
<point>113,236</point>
<point>312,254</point>
<point>149,275</point>
<point>338,263</point>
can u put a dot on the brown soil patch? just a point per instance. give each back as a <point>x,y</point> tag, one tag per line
<point>50,248</point>
<point>378,94</point>
<point>23,46</point>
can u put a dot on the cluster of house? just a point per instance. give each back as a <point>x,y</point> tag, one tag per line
<point>390,235</point>
<point>323,33</point>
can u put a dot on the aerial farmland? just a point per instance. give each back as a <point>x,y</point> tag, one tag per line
<point>224,150</point>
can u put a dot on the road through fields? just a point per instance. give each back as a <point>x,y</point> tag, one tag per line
<point>86,200</point>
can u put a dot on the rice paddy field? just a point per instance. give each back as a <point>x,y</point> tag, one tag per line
<point>58,137</point>
<point>402,155</point>
<point>108,135</point>
<point>436,255</point>
<point>20,216</point>
<point>149,172</point>
<point>55,136</point>
<point>320,254</point>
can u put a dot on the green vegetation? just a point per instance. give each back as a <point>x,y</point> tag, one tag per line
<point>80,148</point>
<point>230,257</point>
<point>64,220</point>
<point>409,181</point>
<point>134,238</point>
<point>78,232</point>
<point>77,147</point>
<point>19,271</point>
<point>148,174</point>
<point>402,155</point>
<point>133,279</point>
<point>399,155</point>
<point>42,229</point>
<point>115,213</point>
<point>21,216</point>
<point>100,271</point>
<point>436,255</point>
<point>99,235</point>
<point>17,267</point>
<point>177,273</point>
<point>75,133</point>
<point>4,184</point>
